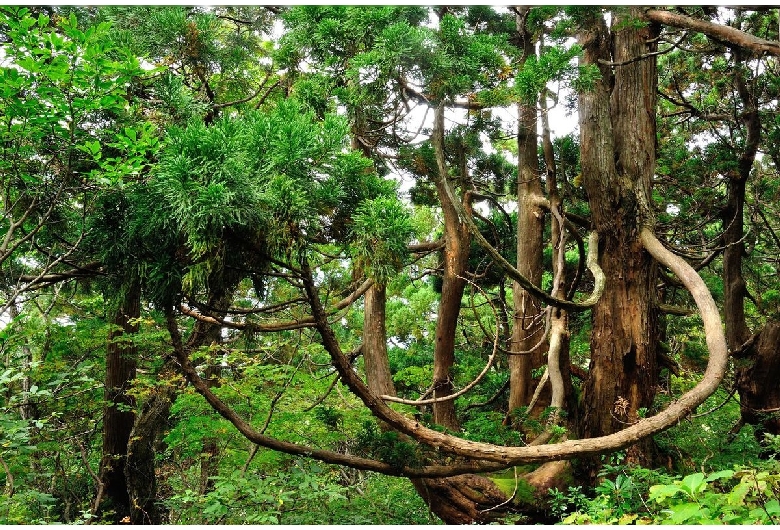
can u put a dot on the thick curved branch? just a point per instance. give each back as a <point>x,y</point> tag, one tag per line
<point>718,31</point>
<point>509,456</point>
<point>330,457</point>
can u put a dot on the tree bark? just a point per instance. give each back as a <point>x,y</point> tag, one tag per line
<point>140,468</point>
<point>558,361</point>
<point>375,360</point>
<point>465,499</point>
<point>617,123</point>
<point>759,365</point>
<point>528,325</point>
<point>756,380</point>
<point>733,217</point>
<point>720,32</point>
<point>457,240</point>
<point>119,414</point>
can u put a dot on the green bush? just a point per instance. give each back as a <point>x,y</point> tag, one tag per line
<point>730,496</point>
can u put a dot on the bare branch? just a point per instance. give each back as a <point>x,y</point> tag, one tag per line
<point>718,31</point>
<point>469,386</point>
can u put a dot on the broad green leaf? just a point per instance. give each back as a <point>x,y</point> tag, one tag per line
<point>693,484</point>
<point>660,492</point>
<point>689,511</point>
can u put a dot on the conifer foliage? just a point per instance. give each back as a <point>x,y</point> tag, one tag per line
<point>331,264</point>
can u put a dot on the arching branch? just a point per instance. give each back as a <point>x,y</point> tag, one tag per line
<point>509,456</point>
<point>331,457</point>
<point>717,31</point>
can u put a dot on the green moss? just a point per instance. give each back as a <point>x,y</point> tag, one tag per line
<point>522,490</point>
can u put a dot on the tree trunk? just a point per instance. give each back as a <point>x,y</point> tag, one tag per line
<point>119,414</point>
<point>759,365</point>
<point>558,364</point>
<point>140,468</point>
<point>617,123</point>
<point>461,500</point>
<point>457,240</point>
<point>376,364</point>
<point>734,287</point>
<point>756,380</point>
<point>528,324</point>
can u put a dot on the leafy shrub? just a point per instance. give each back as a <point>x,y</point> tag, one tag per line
<point>741,496</point>
<point>738,496</point>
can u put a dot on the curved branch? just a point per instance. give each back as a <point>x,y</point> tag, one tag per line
<point>324,396</point>
<point>580,263</point>
<point>469,386</point>
<point>250,97</point>
<point>508,268</point>
<point>542,339</point>
<point>492,398</point>
<point>717,31</point>
<point>330,457</point>
<point>509,456</point>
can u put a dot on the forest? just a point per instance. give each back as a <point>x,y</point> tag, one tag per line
<point>389,265</point>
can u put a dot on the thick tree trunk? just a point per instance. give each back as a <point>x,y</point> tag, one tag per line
<point>759,365</point>
<point>140,468</point>
<point>756,380</point>
<point>734,287</point>
<point>119,414</point>
<point>465,499</point>
<point>375,361</point>
<point>528,324</point>
<point>733,216</point>
<point>617,122</point>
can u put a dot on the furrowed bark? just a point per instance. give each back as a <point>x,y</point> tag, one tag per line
<point>119,416</point>
<point>376,362</point>
<point>617,123</point>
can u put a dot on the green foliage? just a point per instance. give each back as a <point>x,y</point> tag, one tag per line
<point>641,496</point>
<point>290,496</point>
<point>64,92</point>
<point>28,506</point>
<point>555,63</point>
<point>387,446</point>
<point>280,179</point>
<point>212,170</point>
<point>488,427</point>
<point>705,442</point>
<point>741,496</point>
<point>382,230</point>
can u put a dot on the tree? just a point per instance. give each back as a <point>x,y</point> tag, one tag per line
<point>267,212</point>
